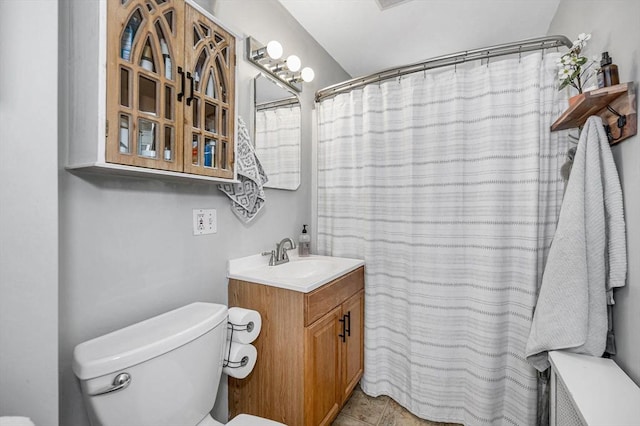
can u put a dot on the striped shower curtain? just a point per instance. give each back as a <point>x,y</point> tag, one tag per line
<point>278,145</point>
<point>448,186</point>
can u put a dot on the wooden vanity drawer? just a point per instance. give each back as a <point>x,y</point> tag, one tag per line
<point>322,300</point>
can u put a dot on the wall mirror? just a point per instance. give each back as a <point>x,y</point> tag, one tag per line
<point>277,132</point>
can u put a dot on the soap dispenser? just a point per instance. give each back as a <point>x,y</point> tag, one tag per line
<point>608,72</point>
<point>304,243</point>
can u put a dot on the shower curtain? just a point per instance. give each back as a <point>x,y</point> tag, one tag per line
<point>448,186</point>
<point>278,145</point>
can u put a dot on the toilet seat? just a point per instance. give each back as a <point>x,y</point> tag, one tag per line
<point>248,420</point>
<point>241,420</point>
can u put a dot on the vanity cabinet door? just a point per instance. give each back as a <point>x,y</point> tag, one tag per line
<point>144,116</point>
<point>323,352</point>
<point>353,358</point>
<point>209,101</point>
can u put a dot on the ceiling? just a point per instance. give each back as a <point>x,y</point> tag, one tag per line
<point>367,36</point>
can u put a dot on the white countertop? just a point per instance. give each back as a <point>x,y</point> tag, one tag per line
<point>303,274</point>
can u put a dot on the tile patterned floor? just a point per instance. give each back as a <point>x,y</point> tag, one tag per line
<point>363,410</point>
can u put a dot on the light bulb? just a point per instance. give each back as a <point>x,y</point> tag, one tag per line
<point>274,49</point>
<point>293,63</point>
<point>307,74</point>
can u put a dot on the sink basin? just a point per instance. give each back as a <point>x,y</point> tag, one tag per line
<point>302,274</point>
<point>301,268</point>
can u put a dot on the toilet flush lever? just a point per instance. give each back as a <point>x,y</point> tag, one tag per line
<point>121,381</point>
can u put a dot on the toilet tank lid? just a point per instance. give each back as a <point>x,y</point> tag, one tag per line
<point>145,340</point>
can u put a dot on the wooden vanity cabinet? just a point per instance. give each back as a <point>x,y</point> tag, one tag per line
<point>310,350</point>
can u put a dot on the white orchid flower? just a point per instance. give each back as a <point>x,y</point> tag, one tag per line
<point>583,37</point>
<point>572,67</point>
<point>581,41</point>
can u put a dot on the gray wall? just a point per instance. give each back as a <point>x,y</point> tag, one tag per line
<point>126,249</point>
<point>29,211</point>
<point>126,246</point>
<point>615,27</point>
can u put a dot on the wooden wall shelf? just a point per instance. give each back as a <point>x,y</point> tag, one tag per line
<point>621,97</point>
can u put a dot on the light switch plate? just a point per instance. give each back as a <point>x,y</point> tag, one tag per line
<point>205,221</point>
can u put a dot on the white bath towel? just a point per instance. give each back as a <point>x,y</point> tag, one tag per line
<point>587,258</point>
<point>247,197</point>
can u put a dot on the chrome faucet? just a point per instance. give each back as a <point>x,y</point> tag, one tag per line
<point>279,255</point>
<point>281,250</point>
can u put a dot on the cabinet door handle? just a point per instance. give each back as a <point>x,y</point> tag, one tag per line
<point>348,329</point>
<point>343,336</point>
<point>181,94</point>
<point>190,78</point>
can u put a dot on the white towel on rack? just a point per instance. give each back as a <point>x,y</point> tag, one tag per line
<point>247,197</point>
<point>587,258</point>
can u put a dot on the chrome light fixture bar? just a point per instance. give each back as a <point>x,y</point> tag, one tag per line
<point>268,59</point>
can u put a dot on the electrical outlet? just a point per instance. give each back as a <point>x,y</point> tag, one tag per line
<point>205,221</point>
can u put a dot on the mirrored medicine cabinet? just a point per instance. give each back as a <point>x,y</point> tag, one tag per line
<point>277,132</point>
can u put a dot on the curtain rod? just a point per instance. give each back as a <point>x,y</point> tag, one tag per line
<point>278,104</point>
<point>528,45</point>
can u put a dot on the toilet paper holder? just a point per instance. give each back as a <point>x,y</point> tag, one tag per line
<point>236,364</point>
<point>240,327</point>
<point>245,359</point>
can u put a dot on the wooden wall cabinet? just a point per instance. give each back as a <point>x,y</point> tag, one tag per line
<point>162,97</point>
<point>310,350</point>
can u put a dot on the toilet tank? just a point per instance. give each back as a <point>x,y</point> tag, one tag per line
<point>173,360</point>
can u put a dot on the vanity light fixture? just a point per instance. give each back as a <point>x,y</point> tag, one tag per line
<point>286,71</point>
<point>293,63</point>
<point>273,49</point>
<point>305,75</point>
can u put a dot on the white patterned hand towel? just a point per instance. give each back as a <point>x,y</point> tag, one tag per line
<point>247,197</point>
<point>587,258</point>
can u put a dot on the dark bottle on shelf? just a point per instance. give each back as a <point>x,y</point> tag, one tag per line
<point>608,72</point>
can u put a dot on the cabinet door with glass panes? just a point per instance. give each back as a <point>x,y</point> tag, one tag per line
<point>144,113</point>
<point>154,89</point>
<point>209,103</point>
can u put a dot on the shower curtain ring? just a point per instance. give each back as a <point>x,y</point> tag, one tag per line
<point>519,54</point>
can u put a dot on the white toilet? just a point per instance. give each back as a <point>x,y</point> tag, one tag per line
<point>161,371</point>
